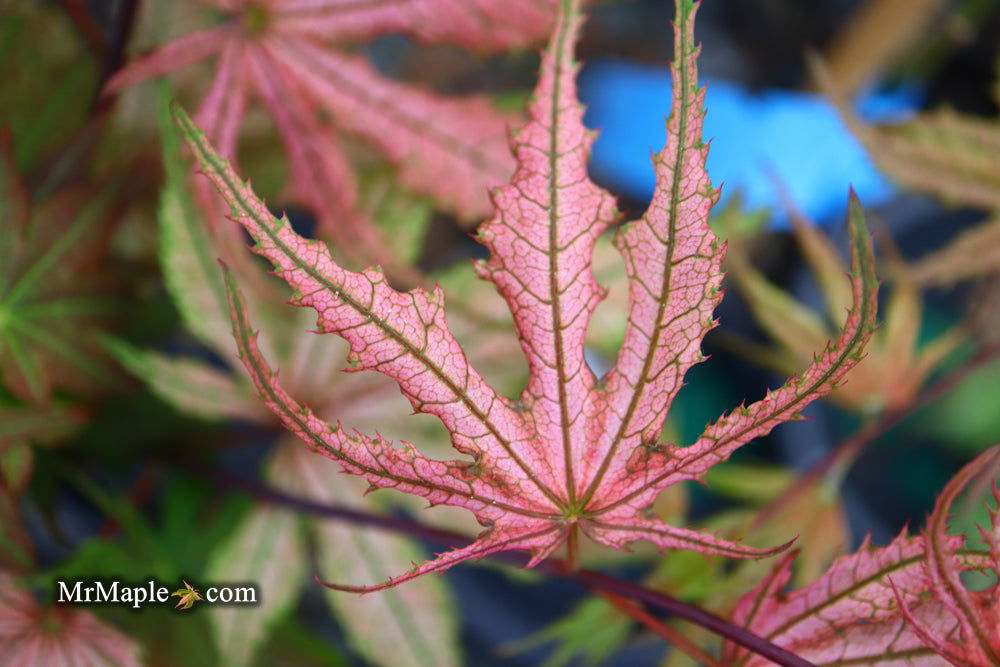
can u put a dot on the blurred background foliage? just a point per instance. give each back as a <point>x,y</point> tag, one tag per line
<point>132,448</point>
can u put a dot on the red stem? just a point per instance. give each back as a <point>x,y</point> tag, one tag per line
<point>586,578</point>
<point>674,637</point>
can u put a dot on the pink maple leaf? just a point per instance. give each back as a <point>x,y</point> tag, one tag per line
<point>32,634</point>
<point>901,604</point>
<point>847,616</point>
<point>284,53</point>
<point>976,613</point>
<point>575,453</point>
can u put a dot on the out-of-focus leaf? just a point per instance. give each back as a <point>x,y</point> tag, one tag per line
<point>971,254</point>
<point>874,36</point>
<point>592,632</point>
<point>816,515</point>
<point>16,548</point>
<point>17,552</point>
<point>193,387</point>
<point>792,325</point>
<point>950,155</point>
<point>895,366</point>
<point>966,417</point>
<point>688,576</point>
<point>49,292</point>
<point>416,624</point>
<point>31,634</point>
<point>401,217</point>
<point>291,643</point>
<point>748,482</point>
<point>187,252</point>
<point>265,549</point>
<point>607,326</point>
<point>16,463</point>
<point>46,92</point>
<point>451,149</point>
<point>193,520</point>
<point>15,209</point>
<point>825,262</point>
<point>21,424</point>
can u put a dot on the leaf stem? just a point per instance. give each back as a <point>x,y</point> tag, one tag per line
<point>586,578</point>
<point>573,549</point>
<point>673,637</point>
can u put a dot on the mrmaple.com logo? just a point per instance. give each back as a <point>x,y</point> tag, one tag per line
<point>116,592</point>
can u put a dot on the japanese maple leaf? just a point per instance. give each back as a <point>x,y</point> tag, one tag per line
<point>950,156</point>
<point>187,596</point>
<point>32,634</point>
<point>574,453</point>
<point>275,537</point>
<point>849,615</point>
<point>895,367</point>
<point>976,640</point>
<point>287,54</point>
<point>901,604</point>
<point>49,283</point>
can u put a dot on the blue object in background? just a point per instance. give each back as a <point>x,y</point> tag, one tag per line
<point>794,136</point>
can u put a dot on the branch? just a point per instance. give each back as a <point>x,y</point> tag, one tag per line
<point>586,578</point>
<point>674,637</point>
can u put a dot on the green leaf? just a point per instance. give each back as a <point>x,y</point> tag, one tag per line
<point>265,550</point>
<point>187,254</point>
<point>593,630</point>
<point>191,386</point>
<point>416,624</point>
<point>292,643</point>
<point>46,92</point>
<point>401,218</point>
<point>48,295</point>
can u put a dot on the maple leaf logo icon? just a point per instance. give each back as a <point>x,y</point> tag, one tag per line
<point>188,596</point>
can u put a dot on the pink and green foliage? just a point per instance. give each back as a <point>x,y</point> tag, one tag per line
<point>901,604</point>
<point>288,55</point>
<point>51,252</point>
<point>574,452</point>
<point>32,634</point>
<point>268,545</point>
<point>976,640</point>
